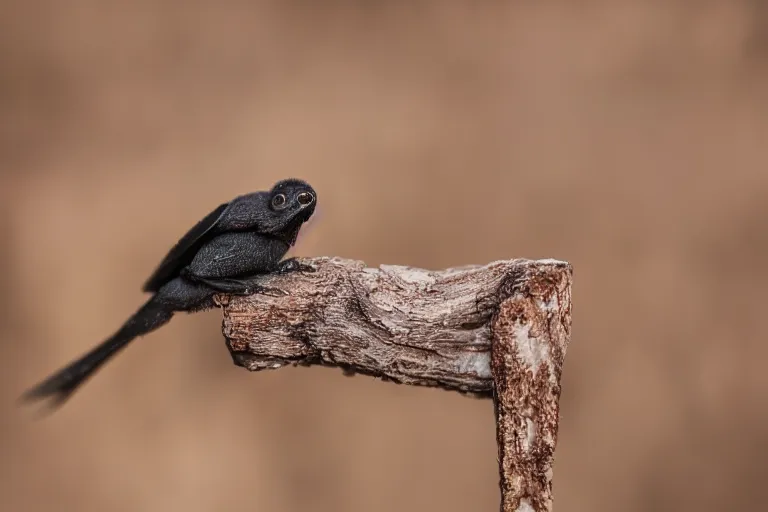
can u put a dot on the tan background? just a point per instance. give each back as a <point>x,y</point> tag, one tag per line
<point>628,137</point>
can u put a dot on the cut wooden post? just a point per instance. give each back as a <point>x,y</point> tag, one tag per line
<point>495,331</point>
<point>530,334</point>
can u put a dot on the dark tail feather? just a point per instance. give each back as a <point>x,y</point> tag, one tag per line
<point>61,385</point>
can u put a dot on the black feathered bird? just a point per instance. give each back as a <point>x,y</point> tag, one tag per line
<point>223,253</point>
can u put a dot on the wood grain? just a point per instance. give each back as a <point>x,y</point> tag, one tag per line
<point>493,331</point>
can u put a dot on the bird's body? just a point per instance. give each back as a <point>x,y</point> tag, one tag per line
<point>223,253</point>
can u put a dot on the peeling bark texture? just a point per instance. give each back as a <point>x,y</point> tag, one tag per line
<point>495,331</point>
<point>530,333</point>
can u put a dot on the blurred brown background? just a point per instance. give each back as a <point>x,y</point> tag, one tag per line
<point>628,137</point>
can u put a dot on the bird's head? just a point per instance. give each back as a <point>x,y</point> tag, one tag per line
<point>291,203</point>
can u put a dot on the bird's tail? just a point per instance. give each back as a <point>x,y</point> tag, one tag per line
<point>61,385</point>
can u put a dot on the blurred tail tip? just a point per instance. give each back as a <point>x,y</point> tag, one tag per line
<point>55,397</point>
<point>31,395</point>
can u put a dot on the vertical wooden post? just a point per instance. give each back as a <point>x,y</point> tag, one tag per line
<point>530,334</point>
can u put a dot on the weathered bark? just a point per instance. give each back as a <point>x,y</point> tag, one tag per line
<point>530,333</point>
<point>503,326</point>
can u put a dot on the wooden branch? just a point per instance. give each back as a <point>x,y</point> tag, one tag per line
<point>499,330</point>
<point>531,330</point>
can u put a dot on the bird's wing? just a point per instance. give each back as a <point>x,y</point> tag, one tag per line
<point>184,251</point>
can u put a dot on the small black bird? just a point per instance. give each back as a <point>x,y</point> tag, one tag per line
<point>223,253</point>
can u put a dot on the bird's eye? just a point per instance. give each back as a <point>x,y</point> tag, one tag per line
<point>278,200</point>
<point>305,198</point>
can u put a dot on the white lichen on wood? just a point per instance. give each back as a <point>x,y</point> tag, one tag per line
<point>503,326</point>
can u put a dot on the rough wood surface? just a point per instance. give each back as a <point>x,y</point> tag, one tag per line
<point>429,328</point>
<point>530,333</point>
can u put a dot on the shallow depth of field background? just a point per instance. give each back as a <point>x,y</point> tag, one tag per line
<point>628,137</point>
